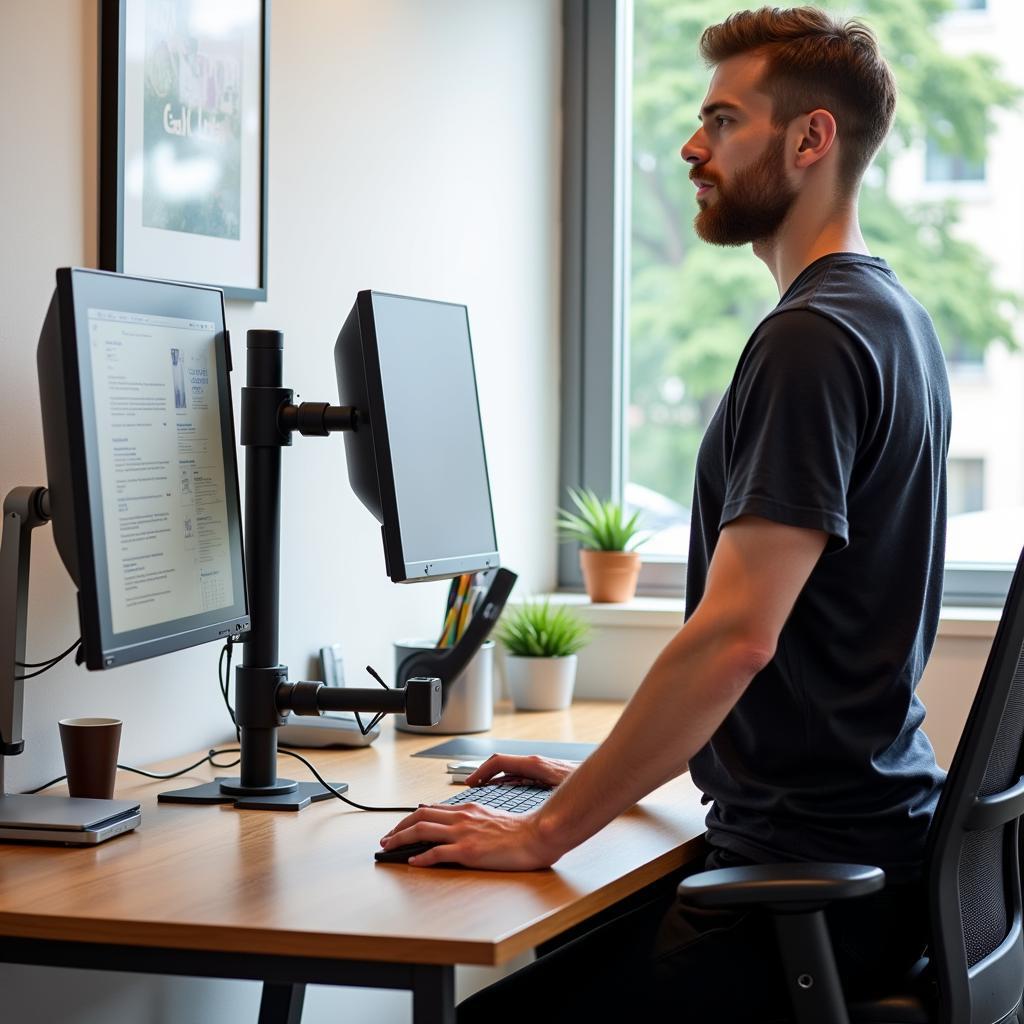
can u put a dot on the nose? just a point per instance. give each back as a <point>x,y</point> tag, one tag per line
<point>694,150</point>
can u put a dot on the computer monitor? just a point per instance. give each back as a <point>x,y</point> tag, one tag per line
<point>416,458</point>
<point>142,492</point>
<point>140,461</point>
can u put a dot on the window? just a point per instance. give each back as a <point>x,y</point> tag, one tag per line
<point>654,320</point>
<point>966,485</point>
<point>942,166</point>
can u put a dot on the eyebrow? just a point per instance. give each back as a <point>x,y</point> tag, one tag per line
<point>709,109</point>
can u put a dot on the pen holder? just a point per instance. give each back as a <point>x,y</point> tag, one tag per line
<point>470,703</point>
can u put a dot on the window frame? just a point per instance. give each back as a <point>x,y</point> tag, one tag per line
<point>596,195</point>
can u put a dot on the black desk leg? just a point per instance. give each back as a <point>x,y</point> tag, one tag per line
<point>433,995</point>
<point>281,1004</point>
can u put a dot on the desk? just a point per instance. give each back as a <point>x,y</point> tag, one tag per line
<point>295,899</point>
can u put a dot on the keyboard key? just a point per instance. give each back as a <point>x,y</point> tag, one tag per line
<point>515,798</point>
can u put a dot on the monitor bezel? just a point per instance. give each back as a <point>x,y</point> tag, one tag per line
<point>78,289</point>
<point>399,569</point>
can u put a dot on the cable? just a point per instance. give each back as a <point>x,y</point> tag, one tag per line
<point>49,661</point>
<point>44,666</point>
<point>319,778</point>
<point>376,718</point>
<point>224,678</point>
<point>210,755</point>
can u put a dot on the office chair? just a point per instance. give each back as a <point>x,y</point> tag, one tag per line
<point>974,969</point>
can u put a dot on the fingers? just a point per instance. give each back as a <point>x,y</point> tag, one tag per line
<point>533,767</point>
<point>509,764</point>
<point>426,813</point>
<point>421,832</point>
<point>438,855</point>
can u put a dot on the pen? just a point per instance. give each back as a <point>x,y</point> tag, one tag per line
<point>447,625</point>
<point>473,601</point>
<point>460,599</point>
<point>464,616</point>
<point>453,589</point>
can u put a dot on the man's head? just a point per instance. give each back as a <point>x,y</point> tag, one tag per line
<point>793,90</point>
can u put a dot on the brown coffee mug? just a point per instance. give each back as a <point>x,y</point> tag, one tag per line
<point>90,755</point>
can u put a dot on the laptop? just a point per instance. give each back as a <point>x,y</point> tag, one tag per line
<point>72,821</point>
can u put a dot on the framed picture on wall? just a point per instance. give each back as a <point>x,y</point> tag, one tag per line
<point>183,141</point>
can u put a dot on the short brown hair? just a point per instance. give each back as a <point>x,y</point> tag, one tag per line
<point>815,60</point>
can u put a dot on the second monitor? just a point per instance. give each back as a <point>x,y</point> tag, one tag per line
<point>417,459</point>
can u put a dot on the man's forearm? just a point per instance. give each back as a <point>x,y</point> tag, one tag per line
<point>682,700</point>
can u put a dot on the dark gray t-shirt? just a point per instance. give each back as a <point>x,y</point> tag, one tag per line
<point>837,419</point>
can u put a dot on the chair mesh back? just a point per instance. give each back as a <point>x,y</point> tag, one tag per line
<point>981,874</point>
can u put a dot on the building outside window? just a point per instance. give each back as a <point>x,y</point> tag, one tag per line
<point>942,166</point>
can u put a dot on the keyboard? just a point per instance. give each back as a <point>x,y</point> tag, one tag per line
<point>515,797</point>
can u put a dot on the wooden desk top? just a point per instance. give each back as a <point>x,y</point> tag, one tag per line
<point>306,883</point>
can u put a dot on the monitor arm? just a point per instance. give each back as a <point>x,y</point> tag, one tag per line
<point>25,508</point>
<point>263,696</point>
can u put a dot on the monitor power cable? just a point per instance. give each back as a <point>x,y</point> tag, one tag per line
<point>210,755</point>
<point>45,666</point>
<point>352,803</point>
<point>223,678</point>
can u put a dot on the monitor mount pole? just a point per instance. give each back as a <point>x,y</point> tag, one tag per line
<point>25,508</point>
<point>263,695</point>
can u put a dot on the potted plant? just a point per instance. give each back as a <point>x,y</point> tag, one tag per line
<point>609,562</point>
<point>541,645</point>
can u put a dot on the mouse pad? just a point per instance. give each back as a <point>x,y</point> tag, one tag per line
<point>468,748</point>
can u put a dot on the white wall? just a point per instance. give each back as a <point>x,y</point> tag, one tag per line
<point>414,147</point>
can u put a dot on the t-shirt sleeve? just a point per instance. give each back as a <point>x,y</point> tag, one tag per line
<point>797,410</point>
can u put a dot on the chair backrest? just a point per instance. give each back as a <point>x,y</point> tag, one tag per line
<point>977,949</point>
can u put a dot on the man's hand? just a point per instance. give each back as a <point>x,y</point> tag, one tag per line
<point>474,836</point>
<point>534,768</point>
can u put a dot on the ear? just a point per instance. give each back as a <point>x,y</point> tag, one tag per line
<point>816,134</point>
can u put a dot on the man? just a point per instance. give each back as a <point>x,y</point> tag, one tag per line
<point>814,574</point>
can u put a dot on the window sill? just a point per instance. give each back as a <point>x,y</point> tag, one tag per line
<point>667,613</point>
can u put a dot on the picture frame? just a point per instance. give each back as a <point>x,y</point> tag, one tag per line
<point>184,109</point>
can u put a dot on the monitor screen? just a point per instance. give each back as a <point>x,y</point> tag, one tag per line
<point>417,457</point>
<point>141,462</point>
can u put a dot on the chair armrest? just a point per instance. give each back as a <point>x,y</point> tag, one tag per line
<point>782,887</point>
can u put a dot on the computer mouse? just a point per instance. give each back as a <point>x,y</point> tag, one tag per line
<point>400,854</point>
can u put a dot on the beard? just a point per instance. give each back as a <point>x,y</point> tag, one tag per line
<point>753,205</point>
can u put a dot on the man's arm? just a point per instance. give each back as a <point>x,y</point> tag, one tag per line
<point>756,574</point>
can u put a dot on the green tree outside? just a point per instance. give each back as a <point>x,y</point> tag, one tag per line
<point>693,306</point>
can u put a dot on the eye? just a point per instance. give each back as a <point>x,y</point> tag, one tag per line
<point>721,120</point>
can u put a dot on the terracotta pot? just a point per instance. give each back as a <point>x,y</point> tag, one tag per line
<point>540,684</point>
<point>610,576</point>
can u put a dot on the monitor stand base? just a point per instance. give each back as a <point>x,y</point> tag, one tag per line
<point>301,796</point>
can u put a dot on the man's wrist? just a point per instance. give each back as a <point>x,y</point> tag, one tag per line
<point>549,834</point>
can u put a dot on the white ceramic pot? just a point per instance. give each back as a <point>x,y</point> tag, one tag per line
<point>540,684</point>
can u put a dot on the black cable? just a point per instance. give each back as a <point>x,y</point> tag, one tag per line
<point>210,755</point>
<point>224,678</point>
<point>49,661</point>
<point>227,684</point>
<point>373,721</point>
<point>44,666</point>
<point>319,778</point>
